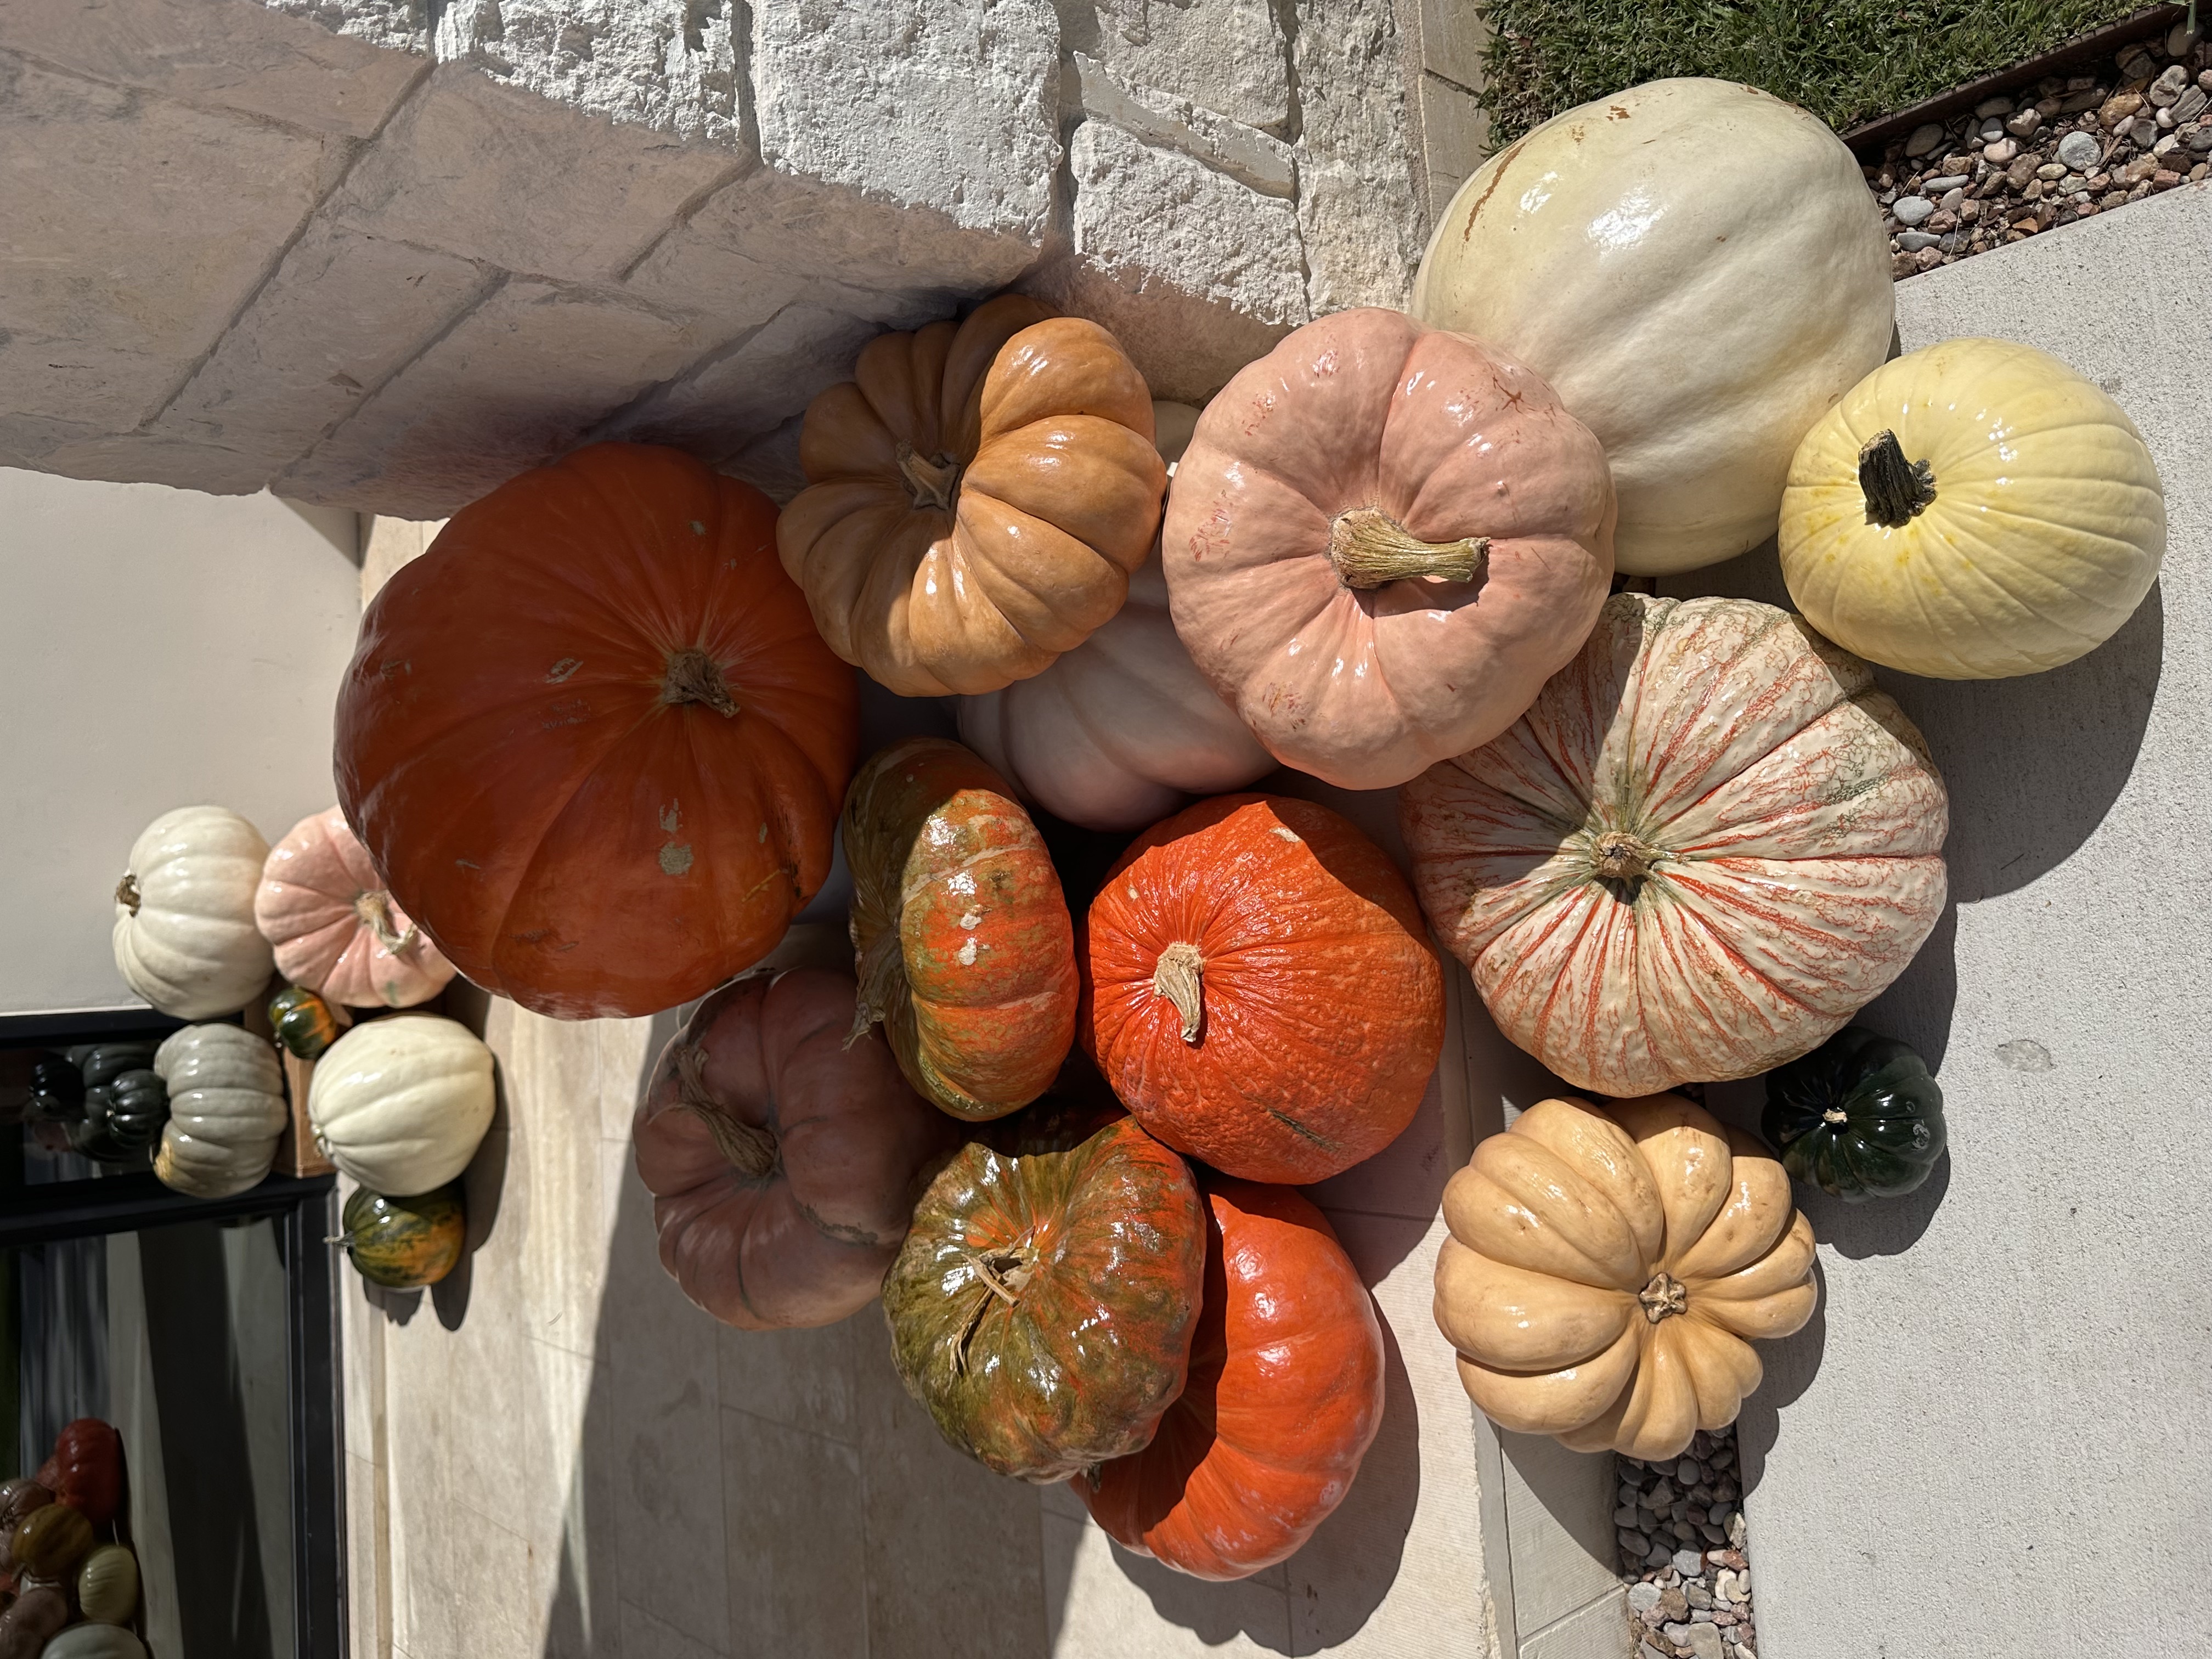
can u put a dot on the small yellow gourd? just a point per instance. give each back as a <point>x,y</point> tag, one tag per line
<point>108,1585</point>
<point>1972,510</point>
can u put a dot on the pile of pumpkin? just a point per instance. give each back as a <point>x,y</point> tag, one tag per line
<point>598,739</point>
<point>69,1582</point>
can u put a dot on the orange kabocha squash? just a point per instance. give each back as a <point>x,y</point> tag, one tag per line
<point>1283,1398</point>
<point>966,953</point>
<point>1258,989</point>
<point>977,497</point>
<point>1605,1269</point>
<point>591,738</point>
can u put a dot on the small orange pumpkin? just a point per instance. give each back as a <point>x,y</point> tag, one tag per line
<point>1259,990</point>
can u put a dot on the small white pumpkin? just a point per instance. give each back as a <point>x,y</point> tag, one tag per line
<point>1697,270</point>
<point>94,1642</point>
<point>401,1104</point>
<point>226,1110</point>
<point>185,936</point>
<point>108,1585</point>
<point>1116,732</point>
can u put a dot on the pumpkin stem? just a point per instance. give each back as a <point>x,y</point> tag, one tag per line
<point>880,965</point>
<point>1835,1115</point>
<point>694,677</point>
<point>1621,857</point>
<point>126,894</point>
<point>1370,548</point>
<point>932,484</point>
<point>1896,490</point>
<point>1179,978</point>
<point>751,1148</point>
<point>374,911</point>
<point>1663,1296</point>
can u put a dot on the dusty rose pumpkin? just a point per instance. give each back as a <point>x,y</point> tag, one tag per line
<point>784,1163</point>
<point>1380,542</point>
<point>336,930</point>
<point>1709,844</point>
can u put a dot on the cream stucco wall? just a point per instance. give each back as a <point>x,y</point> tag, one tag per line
<point>158,648</point>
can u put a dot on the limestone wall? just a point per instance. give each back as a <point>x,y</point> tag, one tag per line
<point>333,247</point>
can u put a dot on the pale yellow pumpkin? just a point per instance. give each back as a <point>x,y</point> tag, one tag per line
<point>1972,511</point>
<point>1606,1269</point>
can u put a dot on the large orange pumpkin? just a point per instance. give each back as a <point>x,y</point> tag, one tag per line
<point>1380,542</point>
<point>1259,989</point>
<point>1283,1397</point>
<point>1709,844</point>
<point>592,739</point>
<point>784,1161</point>
<point>977,497</point>
<point>965,948</point>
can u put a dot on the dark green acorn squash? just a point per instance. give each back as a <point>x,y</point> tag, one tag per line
<point>1042,1305</point>
<point>404,1243</point>
<point>1859,1117</point>
<point>303,1022</point>
<point>123,1116</point>
<point>103,1062</point>
<point>56,1091</point>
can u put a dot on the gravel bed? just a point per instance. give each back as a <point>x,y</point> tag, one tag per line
<point>2065,148</point>
<point>1679,1527</point>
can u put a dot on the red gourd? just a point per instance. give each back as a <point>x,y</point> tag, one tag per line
<point>591,738</point>
<point>784,1163</point>
<point>88,1469</point>
<point>1260,991</point>
<point>1284,1397</point>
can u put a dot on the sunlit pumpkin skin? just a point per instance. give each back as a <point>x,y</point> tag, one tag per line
<point>784,1164</point>
<point>977,497</point>
<point>1708,844</point>
<point>404,1243</point>
<point>1972,510</point>
<point>335,930</point>
<point>88,1463</point>
<point>965,950</point>
<point>304,1023</point>
<point>48,1542</point>
<point>1859,1117</point>
<point>1260,991</point>
<point>592,739</point>
<point>1043,1306</point>
<point>1283,1398</point>
<point>1607,1271</point>
<point>1700,271</point>
<point>1380,542</point>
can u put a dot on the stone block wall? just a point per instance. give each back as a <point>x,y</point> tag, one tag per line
<point>381,254</point>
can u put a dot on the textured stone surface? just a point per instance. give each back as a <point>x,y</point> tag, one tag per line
<point>1362,225</point>
<point>1225,55</point>
<point>1253,158</point>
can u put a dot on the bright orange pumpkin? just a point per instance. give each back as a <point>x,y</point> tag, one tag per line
<point>966,953</point>
<point>1259,990</point>
<point>1283,1398</point>
<point>592,739</point>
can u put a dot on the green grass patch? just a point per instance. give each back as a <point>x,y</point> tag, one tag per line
<point>1847,61</point>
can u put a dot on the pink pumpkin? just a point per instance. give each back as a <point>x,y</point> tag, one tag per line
<point>336,930</point>
<point>1381,543</point>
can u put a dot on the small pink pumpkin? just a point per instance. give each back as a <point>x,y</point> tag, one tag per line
<point>336,930</point>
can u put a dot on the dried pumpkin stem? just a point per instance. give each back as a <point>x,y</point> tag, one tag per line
<point>126,894</point>
<point>1664,1296</point>
<point>694,677</point>
<point>751,1148</point>
<point>1179,978</point>
<point>932,484</point>
<point>1621,857</point>
<point>372,910</point>
<point>880,965</point>
<point>1896,490</point>
<point>1370,548</point>
<point>1835,1115</point>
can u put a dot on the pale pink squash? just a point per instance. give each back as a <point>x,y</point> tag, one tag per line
<point>1380,544</point>
<point>335,928</point>
<point>1705,846</point>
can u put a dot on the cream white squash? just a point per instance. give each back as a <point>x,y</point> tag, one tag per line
<point>1973,510</point>
<point>1697,270</point>
<point>1116,732</point>
<point>185,936</point>
<point>94,1642</point>
<point>401,1104</point>
<point>226,1110</point>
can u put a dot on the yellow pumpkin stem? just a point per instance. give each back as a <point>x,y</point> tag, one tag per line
<point>1370,548</point>
<point>1179,978</point>
<point>1896,490</point>
<point>932,484</point>
<point>694,677</point>
<point>750,1147</point>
